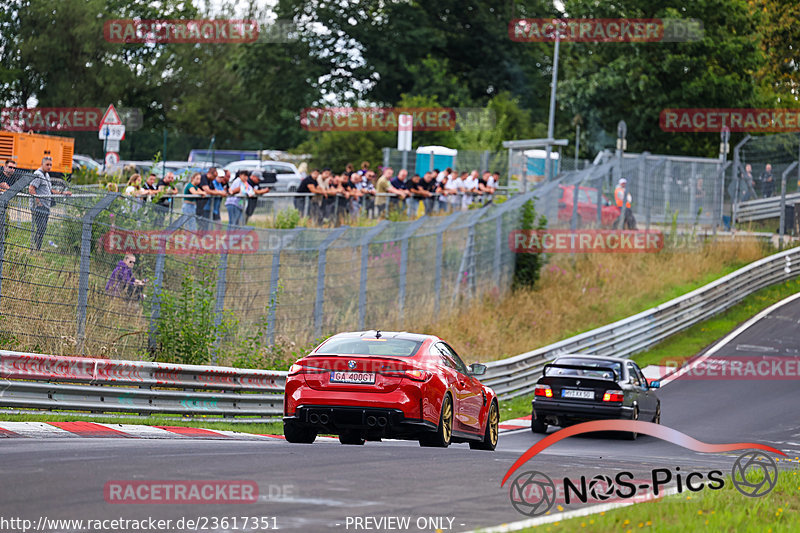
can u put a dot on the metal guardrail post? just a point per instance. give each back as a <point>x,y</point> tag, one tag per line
<point>21,183</point>
<point>401,289</point>
<point>320,301</point>
<point>86,251</point>
<point>783,203</point>
<point>642,181</point>
<point>362,287</point>
<point>155,313</point>
<point>692,191</point>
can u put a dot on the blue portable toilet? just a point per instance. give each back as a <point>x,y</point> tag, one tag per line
<point>535,163</point>
<point>443,157</point>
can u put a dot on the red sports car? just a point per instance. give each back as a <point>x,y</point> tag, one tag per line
<point>587,206</point>
<point>377,384</point>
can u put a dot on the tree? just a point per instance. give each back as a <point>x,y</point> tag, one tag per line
<point>606,82</point>
<point>780,38</point>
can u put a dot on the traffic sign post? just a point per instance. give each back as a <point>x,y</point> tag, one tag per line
<point>111,132</point>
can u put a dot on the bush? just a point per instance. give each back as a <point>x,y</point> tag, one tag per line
<point>185,332</point>
<point>287,218</point>
<point>528,265</point>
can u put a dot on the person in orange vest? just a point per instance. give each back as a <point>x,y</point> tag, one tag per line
<point>619,194</point>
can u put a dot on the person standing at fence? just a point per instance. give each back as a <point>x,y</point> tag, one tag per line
<point>367,189</point>
<point>238,189</point>
<point>619,195</point>
<point>219,186</point>
<point>190,204</point>
<point>41,189</point>
<point>252,202</point>
<point>308,186</point>
<point>8,176</point>
<point>165,185</point>
<point>767,182</point>
<point>150,188</point>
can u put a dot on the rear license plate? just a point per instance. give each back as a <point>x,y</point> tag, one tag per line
<point>583,394</point>
<point>365,378</point>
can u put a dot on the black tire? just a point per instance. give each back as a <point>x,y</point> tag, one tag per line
<point>444,432</point>
<point>657,417</point>
<point>351,437</point>
<point>298,434</point>
<point>633,434</point>
<point>537,426</point>
<point>492,434</point>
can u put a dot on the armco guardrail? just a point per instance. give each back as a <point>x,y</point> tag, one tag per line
<point>763,208</point>
<point>517,375</point>
<point>33,381</point>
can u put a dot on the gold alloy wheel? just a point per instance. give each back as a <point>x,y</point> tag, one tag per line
<point>447,419</point>
<point>494,424</point>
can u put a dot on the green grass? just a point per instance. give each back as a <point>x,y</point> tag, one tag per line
<point>156,420</point>
<point>708,510</point>
<point>685,344</point>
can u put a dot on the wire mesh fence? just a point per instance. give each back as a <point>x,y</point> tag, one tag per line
<point>108,275</point>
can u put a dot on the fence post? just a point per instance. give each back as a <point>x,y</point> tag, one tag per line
<point>401,290</point>
<point>667,189</point>
<point>736,164</point>
<point>783,203</point>
<point>155,314</point>
<point>437,288</point>
<point>86,252</point>
<point>5,198</point>
<point>323,252</point>
<point>642,183</point>
<point>387,155</point>
<point>362,288</point>
<point>498,235</point>
<point>485,161</point>
<point>219,305</point>
<point>273,284</point>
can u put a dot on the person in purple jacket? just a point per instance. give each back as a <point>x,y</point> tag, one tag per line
<point>122,283</point>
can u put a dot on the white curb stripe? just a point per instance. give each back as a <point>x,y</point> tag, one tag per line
<point>37,430</point>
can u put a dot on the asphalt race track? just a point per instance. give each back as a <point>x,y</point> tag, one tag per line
<point>324,486</point>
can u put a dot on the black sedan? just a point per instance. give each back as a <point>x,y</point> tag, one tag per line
<point>577,388</point>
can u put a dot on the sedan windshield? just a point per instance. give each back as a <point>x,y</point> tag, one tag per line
<point>369,346</point>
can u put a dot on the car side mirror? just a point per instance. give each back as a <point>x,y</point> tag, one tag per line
<point>655,384</point>
<point>477,369</point>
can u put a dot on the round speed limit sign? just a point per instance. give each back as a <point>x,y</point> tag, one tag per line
<point>112,158</point>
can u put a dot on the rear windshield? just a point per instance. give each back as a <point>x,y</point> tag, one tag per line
<point>369,346</point>
<point>603,374</point>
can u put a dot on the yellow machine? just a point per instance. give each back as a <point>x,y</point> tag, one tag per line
<point>28,149</point>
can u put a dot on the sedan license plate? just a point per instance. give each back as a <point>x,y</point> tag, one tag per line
<point>365,378</point>
<point>582,394</point>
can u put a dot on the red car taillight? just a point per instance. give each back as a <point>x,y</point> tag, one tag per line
<point>296,369</point>
<point>543,390</point>
<point>613,396</point>
<point>414,374</point>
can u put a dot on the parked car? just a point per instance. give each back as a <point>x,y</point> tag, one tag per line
<point>577,388</point>
<point>373,384</point>
<point>587,206</point>
<point>85,162</point>
<point>278,175</point>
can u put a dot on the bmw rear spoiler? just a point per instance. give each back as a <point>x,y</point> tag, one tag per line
<point>584,368</point>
